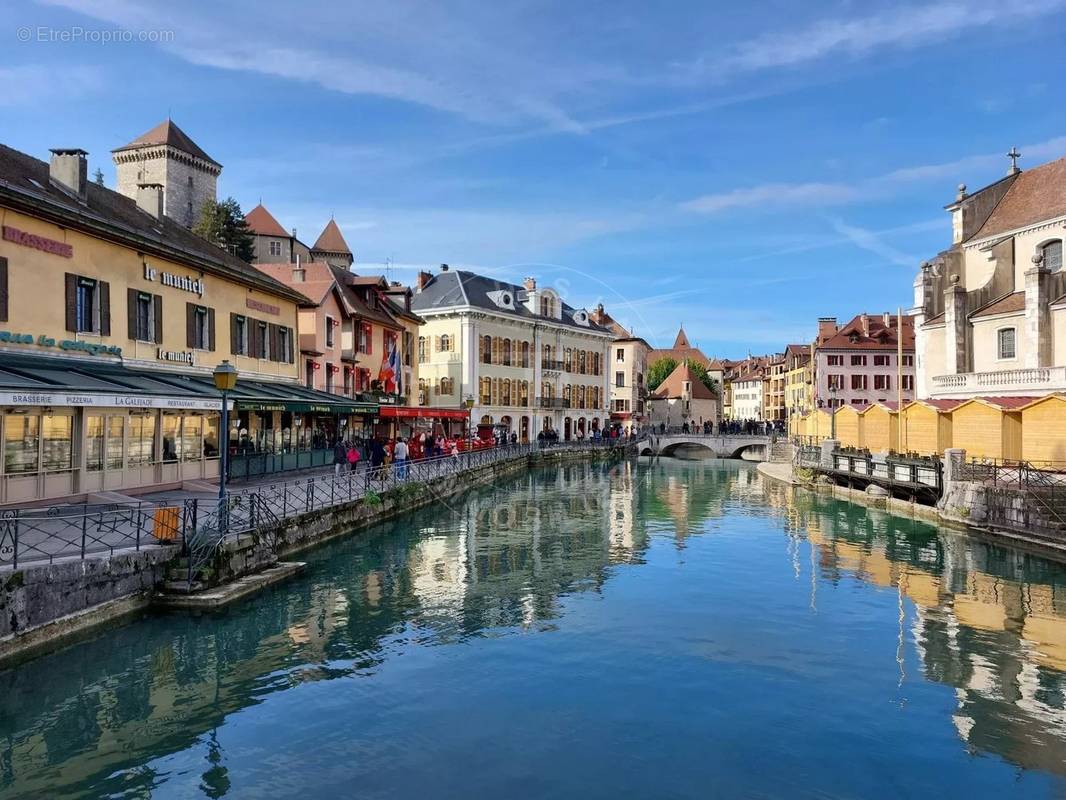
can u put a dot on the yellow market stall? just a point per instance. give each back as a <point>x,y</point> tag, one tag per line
<point>926,426</point>
<point>1044,430</point>
<point>849,426</point>
<point>880,428</point>
<point>989,427</point>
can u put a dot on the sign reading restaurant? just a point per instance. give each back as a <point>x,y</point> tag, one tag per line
<point>42,243</point>
<point>107,401</point>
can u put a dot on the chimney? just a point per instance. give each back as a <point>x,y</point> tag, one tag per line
<point>827,326</point>
<point>423,280</point>
<point>69,169</point>
<point>299,274</point>
<point>530,284</point>
<point>294,233</point>
<point>865,318</point>
<point>150,199</point>
<point>887,319</point>
<point>443,267</point>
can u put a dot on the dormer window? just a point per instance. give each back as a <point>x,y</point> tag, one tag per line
<point>581,317</point>
<point>1052,254</point>
<point>503,299</point>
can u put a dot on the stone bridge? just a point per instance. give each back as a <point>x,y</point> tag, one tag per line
<point>750,448</point>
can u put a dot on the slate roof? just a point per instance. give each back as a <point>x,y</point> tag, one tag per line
<point>1004,305</point>
<point>25,185</point>
<point>1037,194</point>
<point>168,133</point>
<point>462,288</point>
<point>331,240</point>
<point>262,222</point>
<point>672,386</point>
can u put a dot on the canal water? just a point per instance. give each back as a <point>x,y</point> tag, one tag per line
<point>669,630</point>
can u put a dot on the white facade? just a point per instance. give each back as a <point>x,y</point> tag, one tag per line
<point>523,369</point>
<point>748,399</point>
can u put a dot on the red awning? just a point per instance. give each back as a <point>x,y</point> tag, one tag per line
<point>407,412</point>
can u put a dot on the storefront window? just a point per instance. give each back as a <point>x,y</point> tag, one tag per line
<point>20,443</point>
<point>192,429</point>
<point>142,439</point>
<point>58,434</point>
<point>114,441</point>
<point>94,443</point>
<point>211,436</point>
<point>171,437</point>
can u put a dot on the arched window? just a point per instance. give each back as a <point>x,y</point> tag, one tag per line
<point>485,391</point>
<point>423,395</point>
<point>505,398</point>
<point>580,396</point>
<point>486,349</point>
<point>1052,253</point>
<point>507,352</point>
<point>525,354</point>
<point>423,353</point>
<point>523,394</point>
<point>446,386</point>
<point>581,361</point>
<point>445,343</point>
<point>568,392</point>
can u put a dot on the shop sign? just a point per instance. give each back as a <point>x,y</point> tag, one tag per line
<point>307,408</point>
<point>60,399</point>
<point>175,356</point>
<point>72,345</point>
<point>183,282</point>
<point>259,305</point>
<point>42,243</point>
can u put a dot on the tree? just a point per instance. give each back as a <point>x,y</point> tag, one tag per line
<point>659,371</point>
<point>98,176</point>
<point>223,224</point>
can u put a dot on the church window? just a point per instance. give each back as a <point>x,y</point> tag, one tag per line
<point>1052,253</point>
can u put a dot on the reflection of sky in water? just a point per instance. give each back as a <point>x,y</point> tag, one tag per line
<point>675,629</point>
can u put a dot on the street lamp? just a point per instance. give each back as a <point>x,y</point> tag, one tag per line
<point>225,375</point>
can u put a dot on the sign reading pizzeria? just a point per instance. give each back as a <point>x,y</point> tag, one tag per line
<point>42,243</point>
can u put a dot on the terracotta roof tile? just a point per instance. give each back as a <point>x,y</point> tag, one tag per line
<point>673,384</point>
<point>873,334</point>
<point>681,342</point>
<point>168,133</point>
<point>1007,403</point>
<point>264,223</point>
<point>331,240</point>
<point>1037,194</point>
<point>1004,305</point>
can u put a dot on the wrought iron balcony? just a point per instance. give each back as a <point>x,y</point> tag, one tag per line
<point>553,402</point>
<point>555,366</point>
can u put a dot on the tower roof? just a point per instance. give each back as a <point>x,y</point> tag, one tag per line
<point>264,223</point>
<point>675,382</point>
<point>331,240</point>
<point>682,340</point>
<point>168,133</point>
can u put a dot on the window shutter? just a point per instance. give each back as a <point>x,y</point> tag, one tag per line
<point>272,334</point>
<point>105,307</point>
<point>72,301</point>
<point>190,325</point>
<point>234,345</point>
<point>292,345</point>
<point>3,290</point>
<point>157,303</point>
<point>211,329</point>
<point>131,313</point>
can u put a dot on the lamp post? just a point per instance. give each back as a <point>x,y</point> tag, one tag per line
<point>225,375</point>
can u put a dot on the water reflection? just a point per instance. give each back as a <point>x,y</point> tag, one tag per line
<point>97,719</point>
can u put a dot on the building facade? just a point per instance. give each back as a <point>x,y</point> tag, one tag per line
<point>991,308</point>
<point>747,391</point>
<point>858,364</point>
<point>113,316</point>
<point>628,362</point>
<point>271,243</point>
<point>519,356</point>
<point>799,380</point>
<point>683,399</point>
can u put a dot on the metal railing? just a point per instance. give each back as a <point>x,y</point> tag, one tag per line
<point>201,526</point>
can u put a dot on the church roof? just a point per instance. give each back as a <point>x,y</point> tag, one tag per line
<point>331,240</point>
<point>681,342</point>
<point>1035,195</point>
<point>264,223</point>
<point>675,381</point>
<point>168,133</point>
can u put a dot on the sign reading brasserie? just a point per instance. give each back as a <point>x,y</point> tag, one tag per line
<point>42,243</point>
<point>183,282</point>
<point>259,305</point>
<point>57,399</point>
<point>7,337</point>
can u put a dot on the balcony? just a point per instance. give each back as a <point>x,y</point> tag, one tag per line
<point>554,366</point>
<point>1036,380</point>
<point>552,402</point>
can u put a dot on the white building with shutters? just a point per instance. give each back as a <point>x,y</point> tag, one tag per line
<point>524,358</point>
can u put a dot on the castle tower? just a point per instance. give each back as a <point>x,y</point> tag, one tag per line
<point>332,248</point>
<point>166,156</point>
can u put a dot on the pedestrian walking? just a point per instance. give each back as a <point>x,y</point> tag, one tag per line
<point>340,457</point>
<point>400,453</point>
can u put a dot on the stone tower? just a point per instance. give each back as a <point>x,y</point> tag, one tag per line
<point>166,156</point>
<point>331,247</point>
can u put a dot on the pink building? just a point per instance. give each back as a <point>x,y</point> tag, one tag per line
<point>857,363</point>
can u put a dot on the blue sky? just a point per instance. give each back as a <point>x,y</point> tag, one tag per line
<point>740,168</point>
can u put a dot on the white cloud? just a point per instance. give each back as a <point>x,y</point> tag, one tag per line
<point>872,242</point>
<point>772,194</point>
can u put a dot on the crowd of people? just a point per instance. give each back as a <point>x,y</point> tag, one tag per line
<point>730,427</point>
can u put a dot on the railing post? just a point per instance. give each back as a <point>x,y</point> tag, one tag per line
<point>85,522</point>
